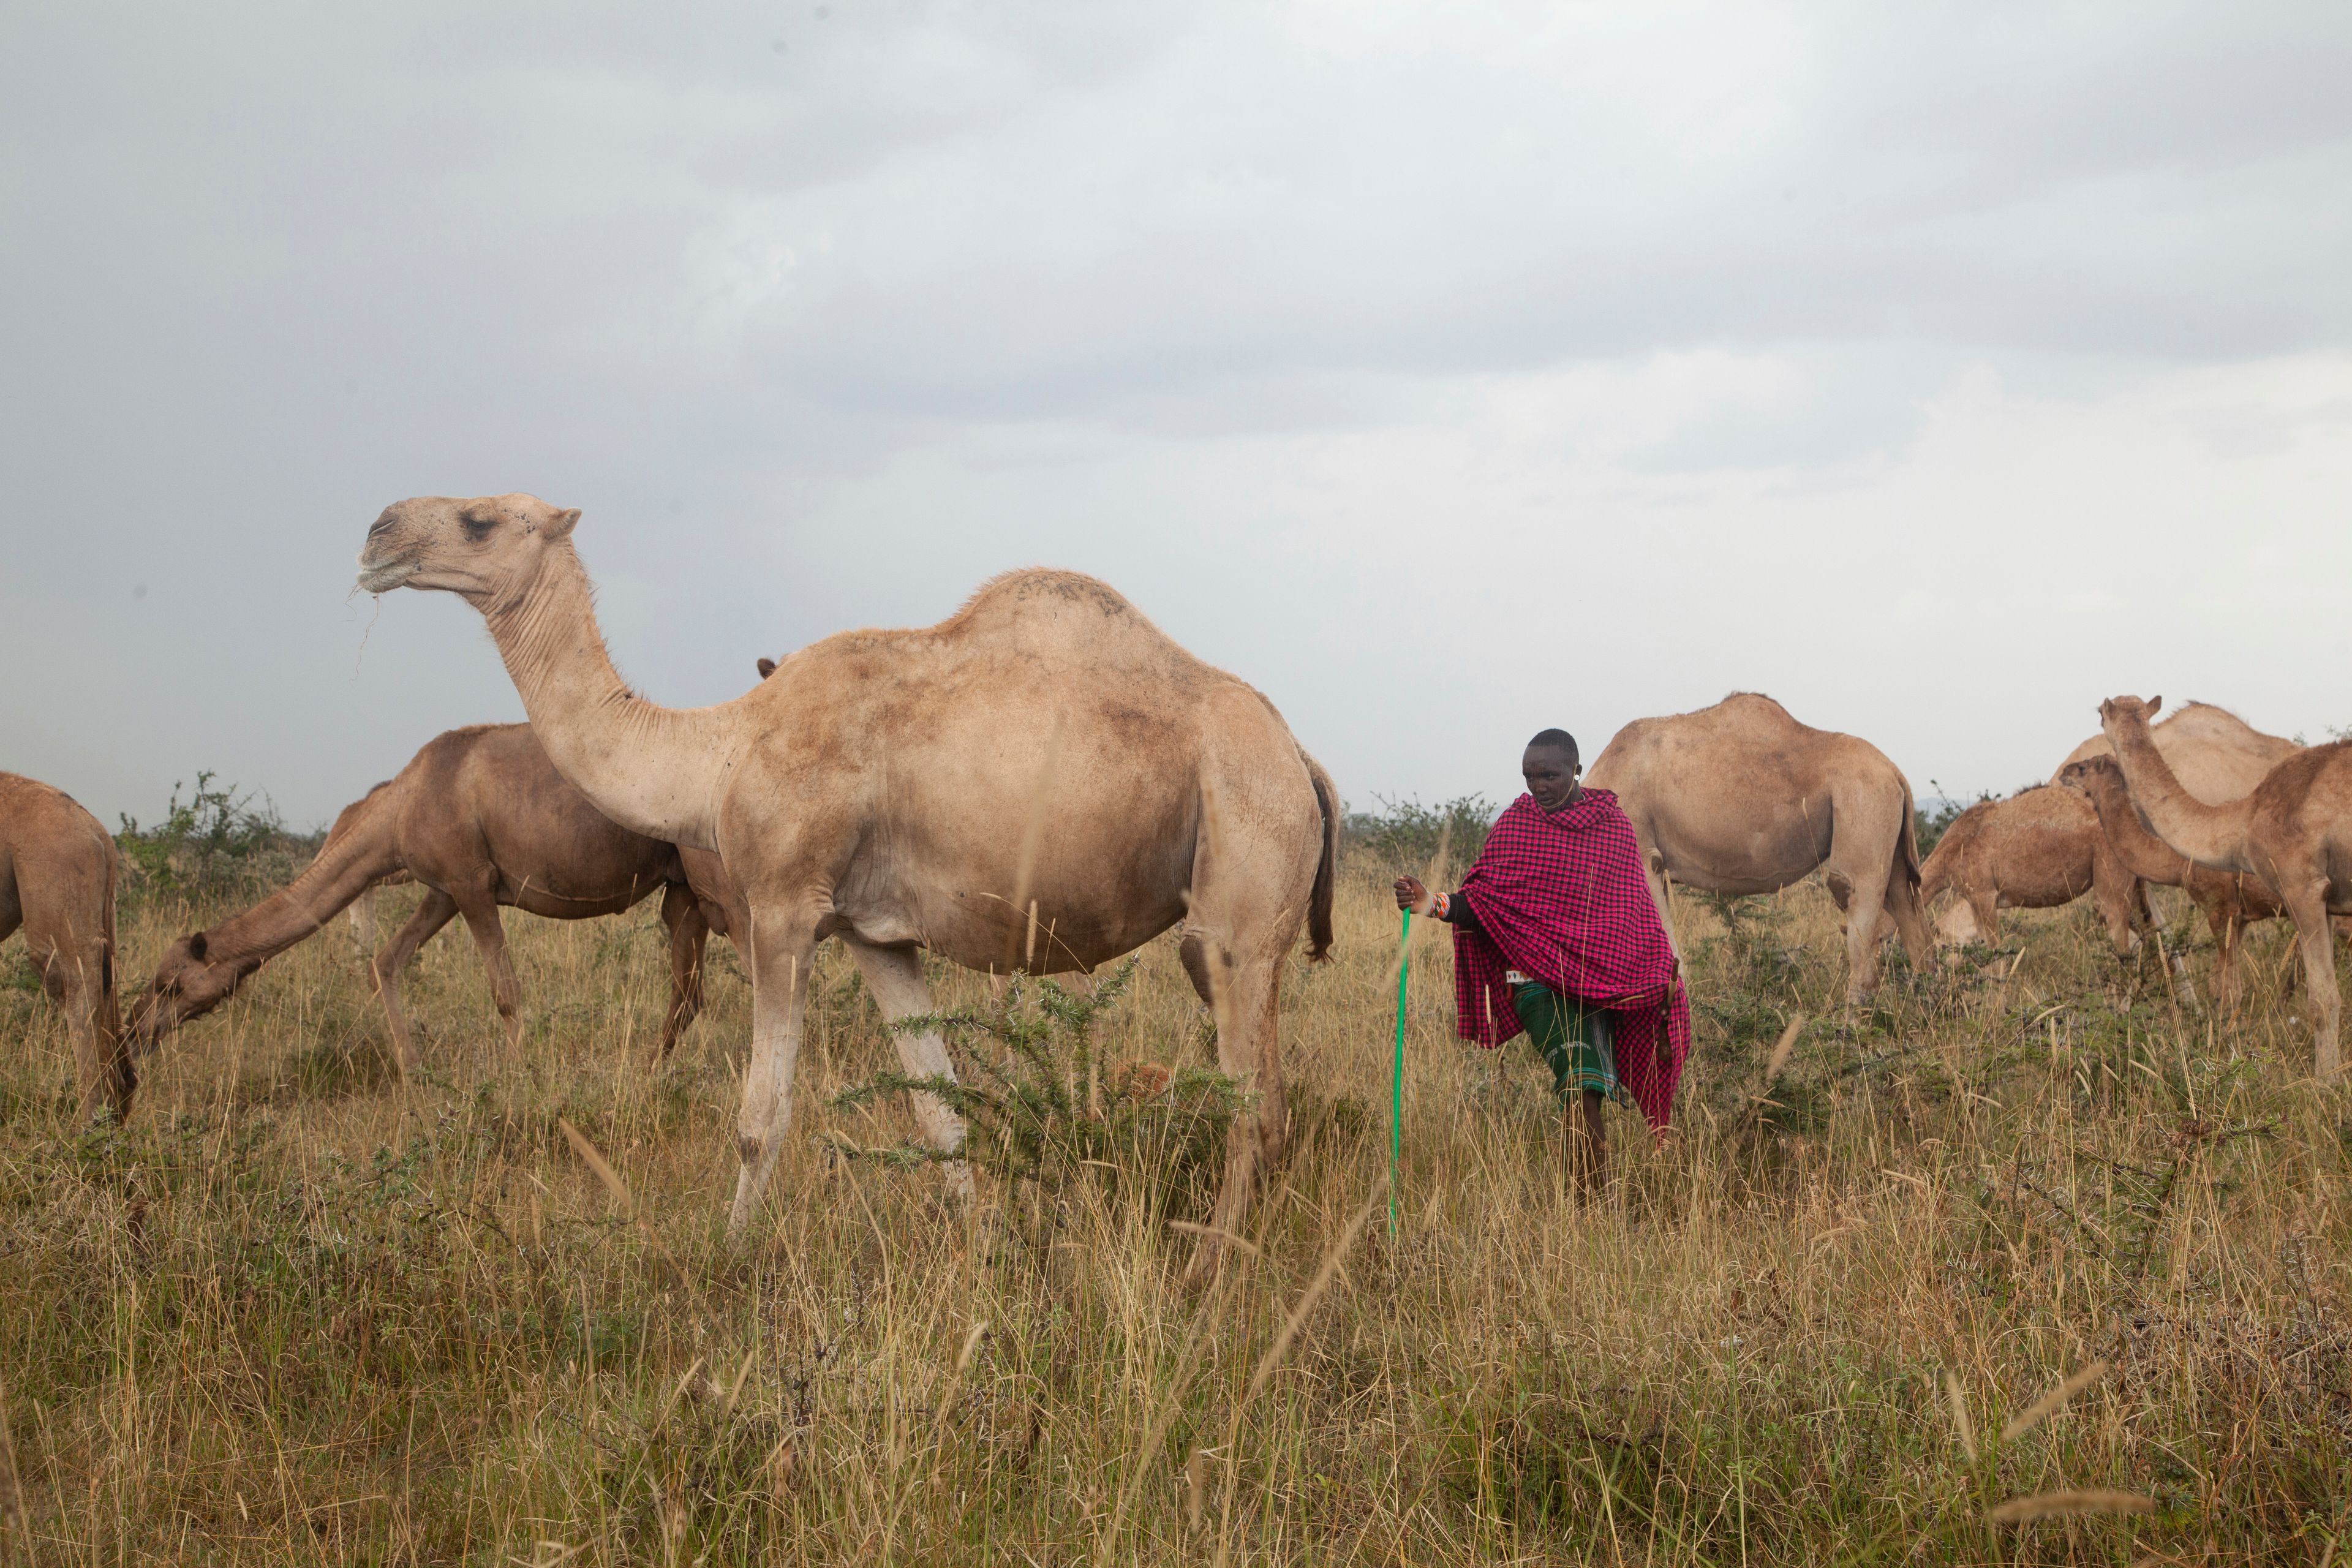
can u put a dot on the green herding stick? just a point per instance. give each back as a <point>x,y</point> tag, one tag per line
<point>1396,1074</point>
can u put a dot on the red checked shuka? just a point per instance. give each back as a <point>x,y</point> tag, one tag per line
<point>1561,896</point>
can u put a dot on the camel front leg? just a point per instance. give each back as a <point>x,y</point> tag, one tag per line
<point>438,910</point>
<point>363,922</point>
<point>782,950</point>
<point>895,977</point>
<point>2228,929</point>
<point>689,930</point>
<point>2115,893</point>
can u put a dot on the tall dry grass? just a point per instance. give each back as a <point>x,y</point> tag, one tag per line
<point>295,1312</point>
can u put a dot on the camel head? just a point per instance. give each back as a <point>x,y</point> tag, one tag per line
<point>187,985</point>
<point>2119,716</point>
<point>486,549</point>
<point>2089,773</point>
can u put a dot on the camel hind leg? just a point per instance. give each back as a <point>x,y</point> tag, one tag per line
<point>79,973</point>
<point>1910,916</point>
<point>1253,875</point>
<point>1862,894</point>
<point>895,977</point>
<point>72,950</point>
<point>489,934</point>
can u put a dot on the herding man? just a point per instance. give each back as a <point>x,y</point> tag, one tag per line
<point>1555,932</point>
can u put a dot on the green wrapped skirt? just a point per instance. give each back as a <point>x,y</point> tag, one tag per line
<point>1576,1039</point>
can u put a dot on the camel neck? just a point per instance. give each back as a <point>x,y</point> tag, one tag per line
<point>2144,855</point>
<point>347,864</point>
<point>2212,836</point>
<point>654,769</point>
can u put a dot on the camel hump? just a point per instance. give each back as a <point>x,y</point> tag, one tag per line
<point>2206,721</point>
<point>1033,593</point>
<point>1046,611</point>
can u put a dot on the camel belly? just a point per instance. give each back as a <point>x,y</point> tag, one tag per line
<point>1763,859</point>
<point>981,930</point>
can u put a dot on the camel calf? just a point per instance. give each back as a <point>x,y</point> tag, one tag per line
<point>481,818</point>
<point>57,881</point>
<point>2038,849</point>
<point>2231,901</point>
<point>2294,832</point>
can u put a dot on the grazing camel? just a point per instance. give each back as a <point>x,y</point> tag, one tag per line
<point>2231,900</point>
<point>1042,782</point>
<point>1741,798</point>
<point>2038,849</point>
<point>2294,832</point>
<point>482,818</point>
<point>2217,756</point>
<point>57,881</point>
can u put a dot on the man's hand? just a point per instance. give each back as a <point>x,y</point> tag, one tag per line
<point>1412,895</point>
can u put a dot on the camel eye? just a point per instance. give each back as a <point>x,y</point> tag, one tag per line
<point>478,528</point>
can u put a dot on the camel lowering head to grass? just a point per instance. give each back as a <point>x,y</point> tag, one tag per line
<point>2038,849</point>
<point>1741,798</point>
<point>481,818</point>
<point>2293,833</point>
<point>1042,781</point>
<point>57,871</point>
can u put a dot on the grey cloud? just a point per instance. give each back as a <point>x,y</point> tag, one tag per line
<point>825,333</point>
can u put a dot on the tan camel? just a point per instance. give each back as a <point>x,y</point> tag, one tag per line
<point>1741,798</point>
<point>57,881</point>
<point>2217,756</point>
<point>482,818</point>
<point>2231,901</point>
<point>2038,849</point>
<point>1043,781</point>
<point>2294,832</point>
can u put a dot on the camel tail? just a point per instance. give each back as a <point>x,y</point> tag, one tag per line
<point>108,1017</point>
<point>1935,875</point>
<point>1907,849</point>
<point>1326,868</point>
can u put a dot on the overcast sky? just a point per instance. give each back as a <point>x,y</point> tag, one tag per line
<point>1448,371</point>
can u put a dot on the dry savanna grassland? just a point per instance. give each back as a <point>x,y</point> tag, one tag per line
<point>296,1311</point>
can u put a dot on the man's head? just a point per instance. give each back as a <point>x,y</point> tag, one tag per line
<point>1550,767</point>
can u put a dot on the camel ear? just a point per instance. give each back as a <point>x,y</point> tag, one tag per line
<point>196,947</point>
<point>767,667</point>
<point>2154,703</point>
<point>559,525</point>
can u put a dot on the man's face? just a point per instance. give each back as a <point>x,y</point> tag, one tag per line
<point>1550,774</point>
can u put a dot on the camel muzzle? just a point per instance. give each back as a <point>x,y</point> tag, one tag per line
<point>383,576</point>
